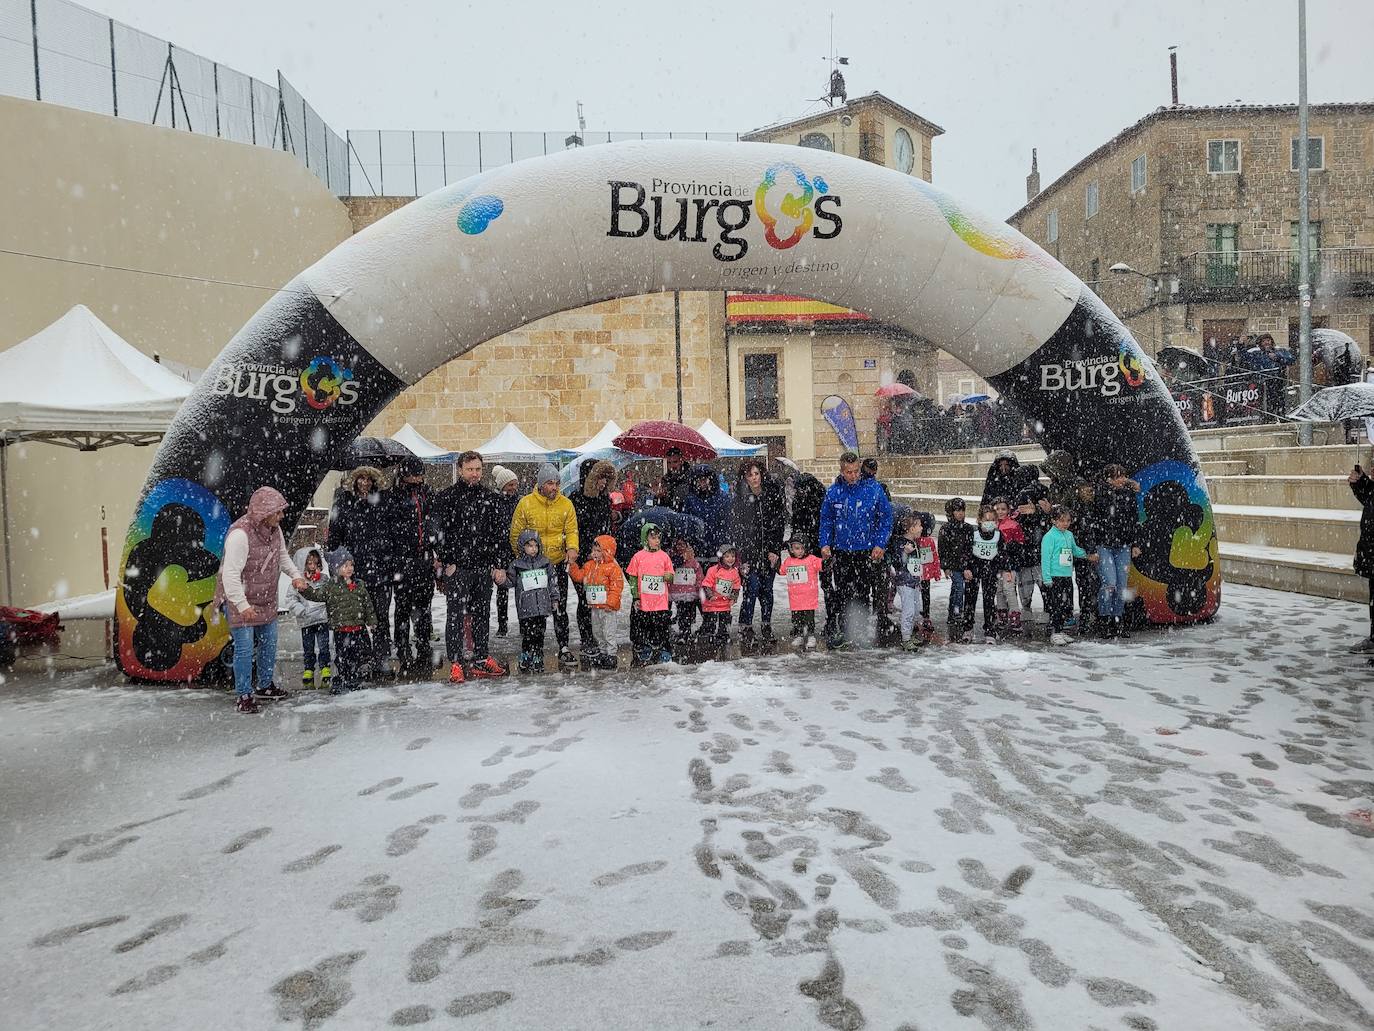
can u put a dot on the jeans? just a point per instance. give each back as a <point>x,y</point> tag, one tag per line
<point>1113,564</point>
<point>957,586</point>
<point>252,642</point>
<point>467,593</point>
<point>686,618</point>
<point>315,644</point>
<point>757,585</point>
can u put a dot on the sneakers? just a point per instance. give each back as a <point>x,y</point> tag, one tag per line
<point>810,642</point>
<point>1015,624</point>
<point>842,645</point>
<point>927,626</point>
<point>307,678</point>
<point>488,667</point>
<point>501,629</point>
<point>605,660</point>
<point>455,673</point>
<point>798,643</point>
<point>566,659</point>
<point>1364,647</point>
<point>526,663</point>
<point>665,655</point>
<point>911,644</point>
<point>1120,630</point>
<point>271,693</point>
<point>326,675</point>
<point>246,704</point>
<point>1060,638</point>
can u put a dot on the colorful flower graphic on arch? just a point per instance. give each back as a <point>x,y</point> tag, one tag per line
<point>1178,572</point>
<point>795,207</point>
<point>995,239</point>
<point>1134,364</point>
<point>167,581</point>
<point>476,211</point>
<point>322,381</point>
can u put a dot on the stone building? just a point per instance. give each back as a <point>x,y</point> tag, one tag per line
<point>1202,204</point>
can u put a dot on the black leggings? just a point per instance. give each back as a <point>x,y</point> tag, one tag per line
<point>1371,606</point>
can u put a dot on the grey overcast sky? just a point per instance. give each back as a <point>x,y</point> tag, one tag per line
<point>1060,75</point>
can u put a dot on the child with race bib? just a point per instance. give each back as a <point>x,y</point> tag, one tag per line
<point>602,584</point>
<point>650,572</point>
<point>914,564</point>
<point>1058,549</point>
<point>719,590</point>
<point>684,590</point>
<point>802,571</point>
<point>988,562</point>
<point>529,577</point>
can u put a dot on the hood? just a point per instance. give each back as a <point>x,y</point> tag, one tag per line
<point>304,553</point>
<point>644,529</point>
<point>1060,465</point>
<point>525,537</point>
<point>702,469</point>
<point>1033,493</point>
<point>591,471</point>
<point>927,522</point>
<point>378,477</point>
<point>266,501</point>
<point>1005,456</point>
<point>607,543</point>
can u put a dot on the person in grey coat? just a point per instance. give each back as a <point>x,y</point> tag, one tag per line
<point>312,618</point>
<point>529,575</point>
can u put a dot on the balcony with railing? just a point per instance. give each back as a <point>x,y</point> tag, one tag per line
<point>1273,274</point>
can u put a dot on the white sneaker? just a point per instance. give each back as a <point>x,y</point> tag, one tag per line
<point>810,642</point>
<point>797,642</point>
<point>1060,639</point>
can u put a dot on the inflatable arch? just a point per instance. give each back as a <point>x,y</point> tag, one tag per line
<point>479,258</point>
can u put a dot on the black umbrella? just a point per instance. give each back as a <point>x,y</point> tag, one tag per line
<point>1352,401</point>
<point>378,451</point>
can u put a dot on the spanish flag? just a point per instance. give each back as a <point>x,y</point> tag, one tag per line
<point>785,308</point>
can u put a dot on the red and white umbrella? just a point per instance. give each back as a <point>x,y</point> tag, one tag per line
<point>655,438</point>
<point>893,390</point>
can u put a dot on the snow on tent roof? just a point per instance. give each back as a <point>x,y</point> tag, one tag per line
<point>80,376</point>
<point>602,439</point>
<point>727,446</point>
<point>511,445</point>
<point>421,448</point>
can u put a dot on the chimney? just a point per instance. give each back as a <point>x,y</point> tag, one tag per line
<point>1173,74</point>
<point>1033,180</point>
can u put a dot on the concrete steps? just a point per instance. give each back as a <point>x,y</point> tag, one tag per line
<point>1324,574</point>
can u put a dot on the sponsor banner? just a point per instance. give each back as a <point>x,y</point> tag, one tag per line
<point>841,418</point>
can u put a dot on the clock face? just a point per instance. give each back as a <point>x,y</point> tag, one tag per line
<point>904,152</point>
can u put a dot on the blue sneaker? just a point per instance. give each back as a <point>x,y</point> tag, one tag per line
<point>665,655</point>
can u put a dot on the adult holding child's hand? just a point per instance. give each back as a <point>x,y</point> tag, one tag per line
<point>1363,489</point>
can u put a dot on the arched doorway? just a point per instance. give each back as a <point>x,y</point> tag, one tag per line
<point>476,259</point>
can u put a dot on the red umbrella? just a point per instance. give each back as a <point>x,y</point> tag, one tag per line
<point>654,438</point>
<point>893,390</point>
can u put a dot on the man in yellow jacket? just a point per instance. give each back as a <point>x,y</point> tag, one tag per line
<point>549,514</point>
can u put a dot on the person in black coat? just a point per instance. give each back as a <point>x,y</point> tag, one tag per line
<point>508,496</point>
<point>361,520</point>
<point>1363,488</point>
<point>1007,478</point>
<point>808,495</point>
<point>759,517</point>
<point>674,526</point>
<point>409,502</point>
<point>591,503</point>
<point>472,549</point>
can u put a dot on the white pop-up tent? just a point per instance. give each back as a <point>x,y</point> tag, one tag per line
<point>603,438</point>
<point>727,446</point>
<point>511,445</point>
<point>421,448</point>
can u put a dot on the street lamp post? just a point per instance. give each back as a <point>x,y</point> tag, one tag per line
<point>1304,258</point>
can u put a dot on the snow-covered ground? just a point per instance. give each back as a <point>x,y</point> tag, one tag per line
<point>1162,833</point>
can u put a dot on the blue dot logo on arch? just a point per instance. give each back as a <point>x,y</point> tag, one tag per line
<point>479,212</point>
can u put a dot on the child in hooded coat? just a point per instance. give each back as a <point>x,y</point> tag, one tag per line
<point>915,563</point>
<point>1015,556</point>
<point>529,575</point>
<point>719,590</point>
<point>684,590</point>
<point>1033,515</point>
<point>602,583</point>
<point>313,619</point>
<point>955,548</point>
<point>351,617</point>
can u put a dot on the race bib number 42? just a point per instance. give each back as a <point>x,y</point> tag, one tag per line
<point>652,585</point>
<point>534,579</point>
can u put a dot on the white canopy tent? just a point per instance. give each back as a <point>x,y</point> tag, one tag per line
<point>511,445</point>
<point>79,384</point>
<point>421,448</point>
<point>727,446</point>
<point>603,438</point>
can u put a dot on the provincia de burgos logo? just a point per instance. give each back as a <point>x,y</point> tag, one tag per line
<point>321,384</point>
<point>790,205</point>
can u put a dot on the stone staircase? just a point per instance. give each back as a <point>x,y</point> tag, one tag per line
<point>1285,515</point>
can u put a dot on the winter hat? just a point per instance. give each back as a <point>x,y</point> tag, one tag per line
<point>412,467</point>
<point>338,557</point>
<point>501,476</point>
<point>548,471</point>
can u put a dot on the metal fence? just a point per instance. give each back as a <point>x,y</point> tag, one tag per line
<point>62,53</point>
<point>405,163</point>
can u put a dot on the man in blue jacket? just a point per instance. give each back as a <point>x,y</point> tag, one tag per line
<point>856,522</point>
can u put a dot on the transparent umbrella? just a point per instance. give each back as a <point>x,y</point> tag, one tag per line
<point>1352,401</point>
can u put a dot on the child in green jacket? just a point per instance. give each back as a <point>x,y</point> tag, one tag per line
<point>351,616</point>
<point>1058,549</point>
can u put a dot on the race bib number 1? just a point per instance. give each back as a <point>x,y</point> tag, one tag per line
<point>596,594</point>
<point>652,585</point>
<point>534,579</point>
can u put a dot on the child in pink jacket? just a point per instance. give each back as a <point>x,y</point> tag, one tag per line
<point>802,572</point>
<point>719,590</point>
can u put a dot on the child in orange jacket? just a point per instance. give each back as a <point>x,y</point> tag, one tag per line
<point>719,590</point>
<point>602,582</point>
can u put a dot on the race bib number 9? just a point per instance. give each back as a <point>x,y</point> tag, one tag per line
<point>684,577</point>
<point>652,585</point>
<point>534,579</point>
<point>596,594</point>
<point>797,575</point>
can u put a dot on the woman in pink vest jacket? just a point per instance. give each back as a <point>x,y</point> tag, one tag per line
<point>246,591</point>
